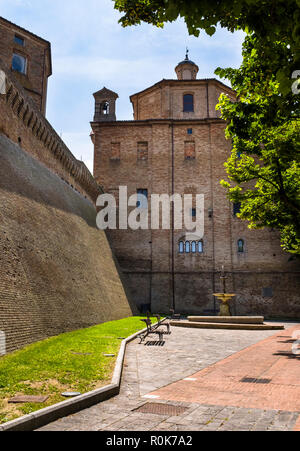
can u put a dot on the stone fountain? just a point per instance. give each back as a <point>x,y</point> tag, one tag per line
<point>225,320</point>
<point>224,297</point>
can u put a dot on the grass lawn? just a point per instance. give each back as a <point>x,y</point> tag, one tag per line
<point>73,361</point>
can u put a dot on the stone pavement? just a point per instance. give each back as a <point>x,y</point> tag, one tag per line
<point>201,370</point>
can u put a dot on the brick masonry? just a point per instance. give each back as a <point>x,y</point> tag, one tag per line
<point>36,51</point>
<point>57,271</point>
<point>23,123</point>
<point>263,277</point>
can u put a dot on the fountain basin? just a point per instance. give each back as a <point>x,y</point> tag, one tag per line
<point>227,319</point>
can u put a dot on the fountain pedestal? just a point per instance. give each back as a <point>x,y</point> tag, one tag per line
<point>224,298</point>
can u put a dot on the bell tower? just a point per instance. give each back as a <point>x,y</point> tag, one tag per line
<point>187,69</point>
<point>105,105</point>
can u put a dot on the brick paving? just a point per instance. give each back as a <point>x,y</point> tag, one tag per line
<point>216,400</point>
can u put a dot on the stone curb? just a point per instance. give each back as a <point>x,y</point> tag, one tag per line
<point>49,414</point>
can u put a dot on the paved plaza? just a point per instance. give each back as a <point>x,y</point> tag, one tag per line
<point>223,380</point>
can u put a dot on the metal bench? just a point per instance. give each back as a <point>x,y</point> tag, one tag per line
<point>151,329</point>
<point>161,322</point>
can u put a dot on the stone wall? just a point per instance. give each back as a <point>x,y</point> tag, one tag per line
<point>57,271</point>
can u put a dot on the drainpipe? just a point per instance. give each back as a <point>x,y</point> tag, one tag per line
<point>173,220</point>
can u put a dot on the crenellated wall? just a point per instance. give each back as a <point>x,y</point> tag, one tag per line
<point>23,123</point>
<point>57,270</point>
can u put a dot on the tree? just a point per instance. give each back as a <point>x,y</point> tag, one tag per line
<point>264,127</point>
<point>270,20</point>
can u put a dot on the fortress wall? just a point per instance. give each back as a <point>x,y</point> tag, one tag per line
<point>23,123</point>
<point>57,271</point>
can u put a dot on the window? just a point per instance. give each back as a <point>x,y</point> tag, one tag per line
<point>200,247</point>
<point>193,212</point>
<point>142,151</point>
<point>189,150</point>
<point>105,108</point>
<point>191,247</point>
<point>267,292</point>
<point>19,40</point>
<point>19,63</point>
<point>115,153</point>
<point>241,246</point>
<point>189,131</point>
<point>142,198</point>
<point>236,208</point>
<point>188,103</point>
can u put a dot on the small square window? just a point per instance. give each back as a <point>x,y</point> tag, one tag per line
<point>19,40</point>
<point>193,212</point>
<point>19,63</point>
<point>189,131</point>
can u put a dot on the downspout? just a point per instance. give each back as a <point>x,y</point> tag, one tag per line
<point>173,219</point>
<point>43,110</point>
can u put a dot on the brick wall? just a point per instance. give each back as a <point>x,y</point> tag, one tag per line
<point>23,123</point>
<point>146,256</point>
<point>37,52</point>
<point>57,271</point>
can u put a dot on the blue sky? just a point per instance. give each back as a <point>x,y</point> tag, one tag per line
<point>91,50</point>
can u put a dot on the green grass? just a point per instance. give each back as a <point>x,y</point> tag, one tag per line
<point>57,364</point>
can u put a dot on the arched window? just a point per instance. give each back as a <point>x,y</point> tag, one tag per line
<point>241,246</point>
<point>188,103</point>
<point>200,247</point>
<point>105,108</point>
<point>181,247</point>
<point>191,247</point>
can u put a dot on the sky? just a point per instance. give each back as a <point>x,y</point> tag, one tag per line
<point>90,50</point>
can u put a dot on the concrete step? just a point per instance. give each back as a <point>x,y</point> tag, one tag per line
<point>230,326</point>
<point>228,319</point>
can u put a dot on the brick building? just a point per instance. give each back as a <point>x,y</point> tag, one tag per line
<point>176,144</point>
<point>29,58</point>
